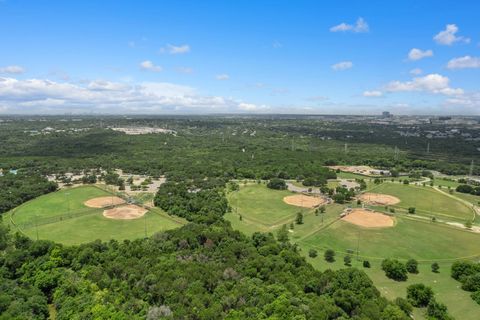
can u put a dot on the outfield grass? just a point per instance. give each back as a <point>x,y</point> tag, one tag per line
<point>82,228</point>
<point>263,206</point>
<point>426,200</point>
<point>57,203</point>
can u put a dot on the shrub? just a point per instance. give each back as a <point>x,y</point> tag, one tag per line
<point>277,184</point>
<point>437,310</point>
<point>347,260</point>
<point>394,269</point>
<point>471,283</point>
<point>412,266</point>
<point>435,267</point>
<point>411,210</point>
<point>419,295</point>
<point>366,264</point>
<point>312,253</point>
<point>329,255</point>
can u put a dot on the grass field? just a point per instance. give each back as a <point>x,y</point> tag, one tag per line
<point>446,183</point>
<point>40,217</point>
<point>426,200</point>
<point>263,206</point>
<point>423,240</point>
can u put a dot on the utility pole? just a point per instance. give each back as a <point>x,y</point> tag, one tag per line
<point>428,147</point>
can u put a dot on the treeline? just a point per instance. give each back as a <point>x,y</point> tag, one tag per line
<point>466,188</point>
<point>196,272</point>
<point>16,189</point>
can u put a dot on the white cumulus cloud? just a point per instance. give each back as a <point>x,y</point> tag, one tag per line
<point>150,66</point>
<point>464,62</point>
<point>373,93</point>
<point>448,36</point>
<point>432,83</point>
<point>343,65</point>
<point>12,69</point>
<point>360,26</point>
<point>417,54</point>
<point>46,96</point>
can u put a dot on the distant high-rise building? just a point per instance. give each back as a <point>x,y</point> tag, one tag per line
<point>386,114</point>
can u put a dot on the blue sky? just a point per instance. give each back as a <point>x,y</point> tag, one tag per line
<point>356,57</point>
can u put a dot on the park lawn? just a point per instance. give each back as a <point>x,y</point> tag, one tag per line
<point>95,226</point>
<point>446,289</point>
<point>473,199</point>
<point>445,183</point>
<point>261,205</point>
<point>311,223</point>
<point>56,203</point>
<point>409,238</point>
<point>426,200</point>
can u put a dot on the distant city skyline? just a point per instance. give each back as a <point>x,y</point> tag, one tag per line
<point>204,57</point>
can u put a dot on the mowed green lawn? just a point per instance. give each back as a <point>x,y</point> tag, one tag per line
<point>421,240</point>
<point>256,203</point>
<point>426,200</point>
<point>83,228</point>
<point>57,203</point>
<point>96,226</point>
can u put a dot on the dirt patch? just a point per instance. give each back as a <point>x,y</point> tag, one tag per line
<point>127,212</point>
<point>369,219</point>
<point>378,199</point>
<point>102,202</point>
<point>301,200</point>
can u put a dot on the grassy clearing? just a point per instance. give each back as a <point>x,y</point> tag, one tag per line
<point>424,241</point>
<point>468,197</point>
<point>83,228</point>
<point>426,200</point>
<point>263,206</point>
<point>445,183</point>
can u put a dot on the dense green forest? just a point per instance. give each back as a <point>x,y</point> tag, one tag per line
<point>250,147</point>
<point>196,272</point>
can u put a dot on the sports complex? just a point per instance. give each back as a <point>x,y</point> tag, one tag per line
<point>379,226</point>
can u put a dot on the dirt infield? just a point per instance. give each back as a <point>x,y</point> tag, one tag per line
<point>301,200</point>
<point>378,199</point>
<point>127,212</point>
<point>102,202</point>
<point>369,219</point>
